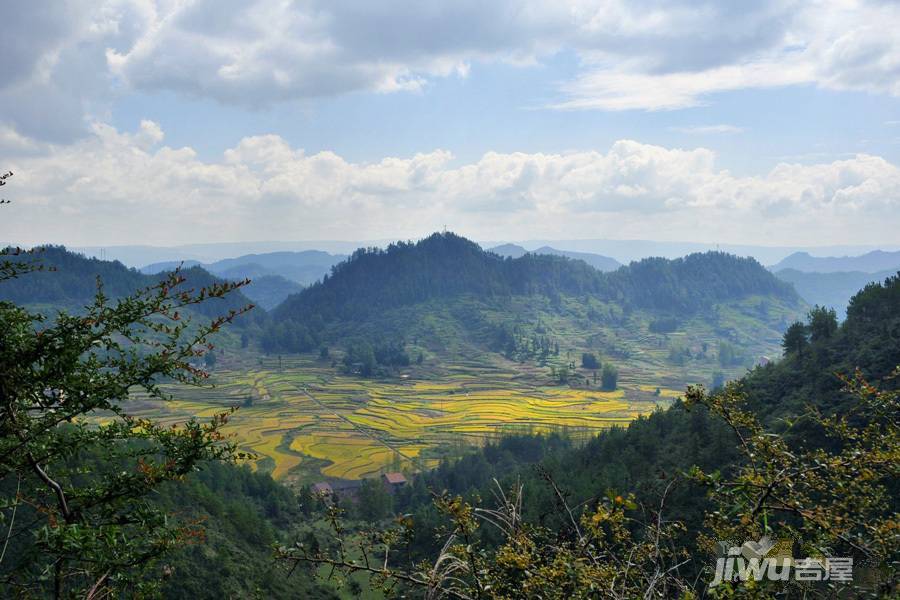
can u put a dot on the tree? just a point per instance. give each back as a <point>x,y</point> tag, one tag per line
<point>598,552</point>
<point>562,374</point>
<point>96,533</point>
<point>823,323</point>
<point>374,501</point>
<point>728,356</point>
<point>589,361</point>
<point>367,359</point>
<point>795,339</point>
<point>834,496</point>
<point>609,377</point>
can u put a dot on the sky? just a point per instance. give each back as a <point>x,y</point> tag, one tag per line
<point>173,122</point>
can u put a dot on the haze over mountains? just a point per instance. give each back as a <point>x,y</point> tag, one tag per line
<point>303,268</point>
<point>598,261</point>
<point>833,290</point>
<point>626,251</point>
<point>832,280</point>
<point>819,278</point>
<point>870,262</point>
<point>623,251</point>
<point>141,255</point>
<point>274,275</point>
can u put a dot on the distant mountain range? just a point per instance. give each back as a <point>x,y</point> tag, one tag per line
<point>626,251</point>
<point>623,251</point>
<point>69,281</point>
<point>274,275</point>
<point>598,261</point>
<point>871,262</point>
<point>303,268</point>
<point>833,290</point>
<point>832,280</point>
<point>825,280</point>
<point>140,255</point>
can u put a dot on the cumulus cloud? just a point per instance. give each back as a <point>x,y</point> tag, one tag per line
<point>122,187</point>
<point>54,70</point>
<point>650,54</point>
<point>63,63</point>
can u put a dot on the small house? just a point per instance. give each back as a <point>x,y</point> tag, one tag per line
<point>393,481</point>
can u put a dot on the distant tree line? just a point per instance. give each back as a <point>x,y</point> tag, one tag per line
<point>366,358</point>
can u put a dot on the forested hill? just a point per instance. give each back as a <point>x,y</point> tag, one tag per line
<point>445,265</point>
<point>69,280</point>
<point>694,281</point>
<point>642,457</point>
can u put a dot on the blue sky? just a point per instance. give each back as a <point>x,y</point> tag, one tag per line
<point>497,107</point>
<point>136,121</point>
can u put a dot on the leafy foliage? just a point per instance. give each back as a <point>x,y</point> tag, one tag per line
<point>94,529</point>
<point>833,497</point>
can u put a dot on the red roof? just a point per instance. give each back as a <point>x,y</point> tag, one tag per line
<point>394,478</point>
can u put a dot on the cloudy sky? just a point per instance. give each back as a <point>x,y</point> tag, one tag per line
<point>176,121</point>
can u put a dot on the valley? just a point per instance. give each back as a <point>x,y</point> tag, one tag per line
<point>305,420</point>
<point>419,353</point>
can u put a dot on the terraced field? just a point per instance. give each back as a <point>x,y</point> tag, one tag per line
<point>305,421</point>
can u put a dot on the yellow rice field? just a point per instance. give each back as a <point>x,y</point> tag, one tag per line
<point>308,419</point>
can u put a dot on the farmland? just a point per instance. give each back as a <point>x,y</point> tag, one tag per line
<point>303,420</point>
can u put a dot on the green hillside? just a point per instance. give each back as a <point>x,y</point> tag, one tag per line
<point>69,281</point>
<point>652,455</point>
<point>445,297</point>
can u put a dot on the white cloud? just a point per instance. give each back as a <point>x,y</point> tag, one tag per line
<point>54,70</point>
<point>708,129</point>
<point>119,187</point>
<point>62,64</point>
